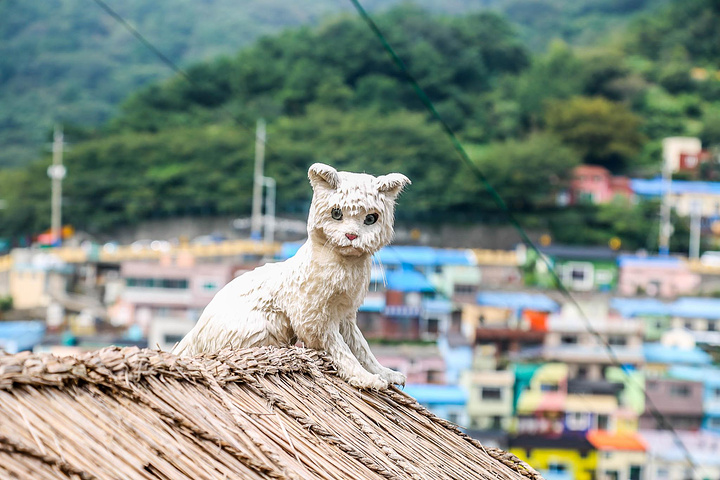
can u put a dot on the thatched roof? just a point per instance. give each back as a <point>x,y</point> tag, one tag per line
<point>257,413</point>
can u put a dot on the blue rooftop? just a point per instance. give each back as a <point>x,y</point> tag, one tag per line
<point>694,307</point>
<point>407,280</point>
<point>289,249</point>
<point>658,353</point>
<point>632,307</point>
<point>530,301</point>
<point>709,375</point>
<point>373,304</point>
<point>649,261</point>
<point>423,256</point>
<point>405,255</point>
<point>437,394</point>
<point>656,187</point>
<point>18,336</point>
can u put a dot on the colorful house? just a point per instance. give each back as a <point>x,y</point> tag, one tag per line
<point>663,276</point>
<point>445,401</point>
<point>402,304</point>
<point>421,364</point>
<point>595,184</point>
<point>581,269</point>
<point>654,314</point>
<point>709,376</point>
<point>665,460</point>
<point>621,456</point>
<point>490,399</point>
<point>684,196</point>
<point>565,457</point>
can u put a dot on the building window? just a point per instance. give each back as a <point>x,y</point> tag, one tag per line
<point>603,421</point>
<point>578,275</point>
<point>491,393</point>
<point>433,325</point>
<point>617,340</point>
<point>582,372</point>
<point>464,289</point>
<point>172,339</point>
<point>174,283</point>
<point>569,339</point>
<point>556,467</point>
<point>662,472</point>
<point>210,286</point>
<point>711,326</point>
<point>496,423</point>
<point>576,421</point>
<point>689,324</point>
<point>635,472</point>
<point>435,376</point>
<point>549,387</point>
<point>680,390</point>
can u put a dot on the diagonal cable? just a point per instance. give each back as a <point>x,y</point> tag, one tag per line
<point>172,65</point>
<point>465,158</point>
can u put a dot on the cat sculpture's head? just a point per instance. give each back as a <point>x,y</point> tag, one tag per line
<point>352,213</point>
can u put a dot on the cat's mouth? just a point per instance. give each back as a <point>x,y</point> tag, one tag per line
<point>351,250</point>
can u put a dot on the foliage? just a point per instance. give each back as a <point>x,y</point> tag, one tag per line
<point>605,133</point>
<point>636,225</point>
<point>6,303</point>
<point>331,94</point>
<point>68,61</point>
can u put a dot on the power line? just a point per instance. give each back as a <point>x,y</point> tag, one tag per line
<point>465,158</point>
<point>172,65</point>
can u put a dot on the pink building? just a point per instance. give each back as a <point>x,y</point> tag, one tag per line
<point>595,184</point>
<point>420,364</point>
<point>172,288</point>
<point>655,276</point>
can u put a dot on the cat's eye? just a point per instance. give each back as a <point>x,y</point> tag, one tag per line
<point>371,218</point>
<point>336,214</point>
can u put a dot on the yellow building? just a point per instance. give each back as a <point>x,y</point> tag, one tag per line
<point>568,456</point>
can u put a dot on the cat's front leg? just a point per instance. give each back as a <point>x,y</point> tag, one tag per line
<point>360,348</point>
<point>348,366</point>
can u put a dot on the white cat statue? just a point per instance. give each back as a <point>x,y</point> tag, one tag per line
<point>314,296</point>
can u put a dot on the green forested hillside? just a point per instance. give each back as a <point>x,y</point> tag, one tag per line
<point>68,61</point>
<point>330,94</point>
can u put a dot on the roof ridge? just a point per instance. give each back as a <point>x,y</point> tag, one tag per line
<point>118,369</point>
<point>131,364</point>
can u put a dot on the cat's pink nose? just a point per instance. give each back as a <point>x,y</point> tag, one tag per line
<point>351,236</point>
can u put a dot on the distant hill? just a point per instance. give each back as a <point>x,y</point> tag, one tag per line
<point>68,61</point>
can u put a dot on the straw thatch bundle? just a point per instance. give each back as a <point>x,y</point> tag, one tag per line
<point>256,413</point>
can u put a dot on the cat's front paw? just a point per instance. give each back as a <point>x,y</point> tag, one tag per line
<point>393,377</point>
<point>369,381</point>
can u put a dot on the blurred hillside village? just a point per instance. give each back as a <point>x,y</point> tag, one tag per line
<point>483,336</point>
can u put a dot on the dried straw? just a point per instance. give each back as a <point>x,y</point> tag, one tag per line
<point>255,413</point>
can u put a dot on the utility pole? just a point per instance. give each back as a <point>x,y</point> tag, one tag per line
<point>256,220</point>
<point>695,215</point>
<point>271,187</point>
<point>56,172</point>
<point>666,228</point>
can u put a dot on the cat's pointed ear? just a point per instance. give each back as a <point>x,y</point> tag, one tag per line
<point>321,174</point>
<point>392,183</point>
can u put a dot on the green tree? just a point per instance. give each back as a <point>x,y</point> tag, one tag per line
<point>605,133</point>
<point>527,174</point>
